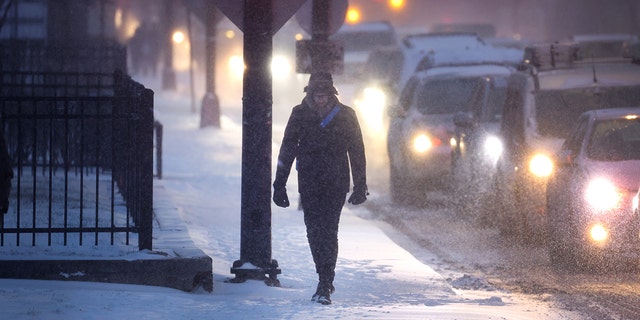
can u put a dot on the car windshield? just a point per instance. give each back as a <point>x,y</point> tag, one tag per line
<point>446,95</point>
<point>557,110</point>
<point>615,140</point>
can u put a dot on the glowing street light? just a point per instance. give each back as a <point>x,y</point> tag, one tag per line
<point>353,16</point>
<point>396,4</point>
<point>178,37</point>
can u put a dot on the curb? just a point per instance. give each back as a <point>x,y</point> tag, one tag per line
<point>179,264</point>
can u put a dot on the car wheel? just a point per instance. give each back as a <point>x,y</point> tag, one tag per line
<point>486,205</point>
<point>504,191</point>
<point>519,218</point>
<point>458,188</point>
<point>564,254</point>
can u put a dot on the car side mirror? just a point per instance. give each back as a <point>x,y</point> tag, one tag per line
<point>463,119</point>
<point>397,112</point>
<point>564,158</point>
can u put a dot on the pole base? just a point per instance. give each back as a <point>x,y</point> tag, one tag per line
<point>245,270</point>
<point>168,79</point>
<point>210,111</point>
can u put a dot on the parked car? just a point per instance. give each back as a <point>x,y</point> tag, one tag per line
<point>590,195</point>
<point>422,131</point>
<point>540,110</point>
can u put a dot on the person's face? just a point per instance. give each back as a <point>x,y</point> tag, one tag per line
<point>321,99</point>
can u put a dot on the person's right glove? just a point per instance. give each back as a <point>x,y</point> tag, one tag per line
<point>358,196</point>
<point>280,197</point>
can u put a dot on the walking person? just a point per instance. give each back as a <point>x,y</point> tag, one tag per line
<point>324,137</point>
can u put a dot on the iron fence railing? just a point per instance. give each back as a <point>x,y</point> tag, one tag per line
<point>81,145</point>
<point>94,56</point>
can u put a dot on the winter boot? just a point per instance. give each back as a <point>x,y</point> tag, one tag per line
<point>324,296</point>
<point>323,293</point>
<point>321,288</point>
<point>315,296</point>
<point>326,300</point>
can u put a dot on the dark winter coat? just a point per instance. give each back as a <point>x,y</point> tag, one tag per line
<point>323,155</point>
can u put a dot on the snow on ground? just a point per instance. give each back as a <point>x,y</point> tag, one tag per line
<point>375,278</point>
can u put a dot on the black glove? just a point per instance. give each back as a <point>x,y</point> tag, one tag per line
<point>280,197</point>
<point>358,196</point>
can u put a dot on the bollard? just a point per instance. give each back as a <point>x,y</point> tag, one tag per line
<point>157,126</point>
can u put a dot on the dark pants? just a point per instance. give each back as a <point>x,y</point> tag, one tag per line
<point>321,217</point>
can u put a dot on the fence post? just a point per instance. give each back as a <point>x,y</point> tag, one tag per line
<point>145,149</point>
<point>158,130</point>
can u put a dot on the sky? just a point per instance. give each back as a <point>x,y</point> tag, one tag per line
<point>380,273</point>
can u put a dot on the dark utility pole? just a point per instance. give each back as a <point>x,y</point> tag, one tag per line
<point>321,60</point>
<point>255,239</point>
<point>168,74</point>
<point>320,32</point>
<point>210,109</point>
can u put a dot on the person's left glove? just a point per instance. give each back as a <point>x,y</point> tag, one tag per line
<point>358,196</point>
<point>280,197</point>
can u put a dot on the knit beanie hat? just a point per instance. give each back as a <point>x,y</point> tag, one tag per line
<point>320,82</point>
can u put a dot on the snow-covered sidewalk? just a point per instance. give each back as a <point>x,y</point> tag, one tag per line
<point>375,278</point>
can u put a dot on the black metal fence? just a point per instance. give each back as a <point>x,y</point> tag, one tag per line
<point>81,145</point>
<point>93,56</point>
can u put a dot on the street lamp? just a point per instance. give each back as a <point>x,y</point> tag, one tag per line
<point>178,37</point>
<point>396,4</point>
<point>353,16</point>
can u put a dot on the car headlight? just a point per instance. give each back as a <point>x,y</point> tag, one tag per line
<point>280,67</point>
<point>453,143</point>
<point>372,98</point>
<point>371,105</point>
<point>492,148</point>
<point>598,233</point>
<point>236,66</point>
<point>423,143</point>
<point>541,165</point>
<point>601,194</point>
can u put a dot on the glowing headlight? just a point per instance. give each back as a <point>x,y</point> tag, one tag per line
<point>493,148</point>
<point>635,203</point>
<point>541,165</point>
<point>453,143</point>
<point>371,106</point>
<point>601,194</point>
<point>372,98</point>
<point>236,66</point>
<point>422,143</point>
<point>598,233</point>
<point>280,67</point>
